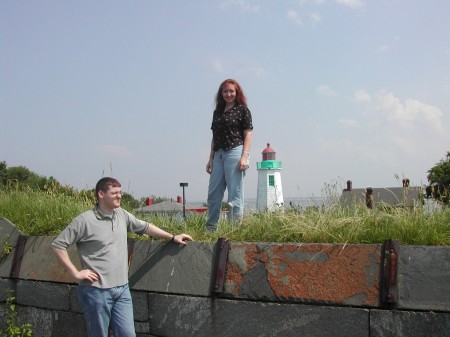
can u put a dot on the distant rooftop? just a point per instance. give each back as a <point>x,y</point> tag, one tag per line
<point>393,196</point>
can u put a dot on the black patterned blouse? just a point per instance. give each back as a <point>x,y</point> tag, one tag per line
<point>228,127</point>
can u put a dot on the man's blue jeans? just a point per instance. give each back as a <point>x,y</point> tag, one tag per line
<point>107,308</point>
<point>226,175</point>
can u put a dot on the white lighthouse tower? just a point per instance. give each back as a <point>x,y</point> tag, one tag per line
<point>269,196</point>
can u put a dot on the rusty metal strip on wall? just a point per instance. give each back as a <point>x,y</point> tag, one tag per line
<point>223,247</point>
<point>18,256</point>
<point>389,272</point>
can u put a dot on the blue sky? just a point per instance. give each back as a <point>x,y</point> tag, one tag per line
<point>342,89</point>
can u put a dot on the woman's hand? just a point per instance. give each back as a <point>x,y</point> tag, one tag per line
<point>209,166</point>
<point>243,163</point>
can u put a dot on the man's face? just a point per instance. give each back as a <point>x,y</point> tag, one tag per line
<point>111,198</point>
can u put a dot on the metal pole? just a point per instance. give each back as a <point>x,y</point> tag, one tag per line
<point>183,185</point>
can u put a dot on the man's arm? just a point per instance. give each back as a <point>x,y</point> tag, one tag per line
<point>64,260</point>
<point>157,232</point>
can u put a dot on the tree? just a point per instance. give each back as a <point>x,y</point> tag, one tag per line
<point>439,179</point>
<point>3,172</point>
<point>21,177</point>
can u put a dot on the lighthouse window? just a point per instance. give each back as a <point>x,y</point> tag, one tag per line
<point>271,180</point>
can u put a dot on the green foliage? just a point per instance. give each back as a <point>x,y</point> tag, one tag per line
<point>439,179</point>
<point>22,177</point>
<point>333,224</point>
<point>48,211</point>
<point>42,213</point>
<point>41,205</point>
<point>128,202</point>
<point>12,327</point>
<point>154,198</point>
<point>6,250</point>
<point>3,172</point>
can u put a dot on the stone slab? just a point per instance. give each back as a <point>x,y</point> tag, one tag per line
<point>41,321</point>
<point>43,295</point>
<point>345,274</point>
<point>75,305</point>
<point>396,323</point>
<point>189,316</point>
<point>9,236</point>
<point>140,305</point>
<point>7,289</point>
<point>424,278</point>
<point>166,267</point>
<point>39,262</point>
<point>76,328</point>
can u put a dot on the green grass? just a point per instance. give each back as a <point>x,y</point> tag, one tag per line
<point>46,213</point>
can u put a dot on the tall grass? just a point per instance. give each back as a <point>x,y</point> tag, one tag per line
<point>47,213</point>
<point>41,213</point>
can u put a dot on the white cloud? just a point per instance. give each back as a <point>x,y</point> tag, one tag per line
<point>383,48</point>
<point>217,65</point>
<point>361,151</point>
<point>316,2</point>
<point>256,71</point>
<point>315,17</point>
<point>351,3</point>
<point>116,150</point>
<point>325,90</point>
<point>244,5</point>
<point>446,89</point>
<point>294,16</point>
<point>396,132</point>
<point>348,123</point>
<point>362,96</point>
<point>411,114</point>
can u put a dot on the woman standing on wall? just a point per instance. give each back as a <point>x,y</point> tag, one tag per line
<point>230,150</point>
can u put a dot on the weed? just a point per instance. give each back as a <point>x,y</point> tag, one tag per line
<point>12,327</point>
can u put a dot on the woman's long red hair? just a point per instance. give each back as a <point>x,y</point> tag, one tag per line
<point>240,97</point>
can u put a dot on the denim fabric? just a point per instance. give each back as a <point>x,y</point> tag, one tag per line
<point>226,175</point>
<point>107,308</point>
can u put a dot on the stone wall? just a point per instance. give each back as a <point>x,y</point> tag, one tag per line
<point>244,289</point>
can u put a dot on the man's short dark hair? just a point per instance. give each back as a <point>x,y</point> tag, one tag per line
<point>104,185</point>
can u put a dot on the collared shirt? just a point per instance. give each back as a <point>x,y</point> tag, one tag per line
<point>228,127</point>
<point>101,242</point>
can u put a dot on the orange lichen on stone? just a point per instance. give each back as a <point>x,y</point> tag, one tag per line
<point>314,272</point>
<point>342,275</point>
<point>233,279</point>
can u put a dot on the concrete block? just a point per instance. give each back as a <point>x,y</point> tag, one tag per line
<point>140,305</point>
<point>424,278</point>
<point>75,305</point>
<point>39,262</point>
<point>167,267</point>
<point>323,273</point>
<point>9,235</point>
<point>39,319</point>
<point>61,326</point>
<point>5,286</point>
<point>384,323</point>
<point>142,328</point>
<point>43,295</point>
<point>189,316</point>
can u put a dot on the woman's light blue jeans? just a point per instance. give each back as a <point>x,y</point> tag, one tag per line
<point>225,174</point>
<point>107,308</point>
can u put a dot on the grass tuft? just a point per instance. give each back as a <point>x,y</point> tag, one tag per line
<point>47,213</point>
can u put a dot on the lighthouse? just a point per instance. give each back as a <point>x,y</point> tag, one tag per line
<point>269,196</point>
